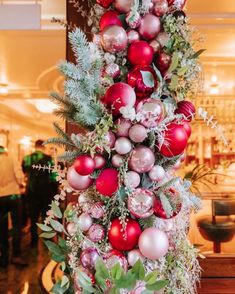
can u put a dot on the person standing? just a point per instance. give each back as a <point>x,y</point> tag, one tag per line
<point>11,177</point>
<point>40,187</point>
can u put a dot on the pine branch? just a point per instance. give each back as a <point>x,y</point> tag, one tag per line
<point>165,204</point>
<point>70,70</point>
<point>147,222</point>
<point>59,142</point>
<point>69,156</point>
<point>61,132</point>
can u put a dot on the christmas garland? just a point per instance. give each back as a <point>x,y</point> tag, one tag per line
<point>127,232</point>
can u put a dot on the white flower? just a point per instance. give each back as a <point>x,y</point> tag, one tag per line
<point>128,112</point>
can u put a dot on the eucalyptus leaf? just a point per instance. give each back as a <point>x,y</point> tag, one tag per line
<point>55,208</point>
<point>198,53</point>
<point>57,289</point>
<point>174,82</point>
<point>44,228</point>
<point>148,78</point>
<point>157,285</point>
<point>63,266</point>
<point>182,70</point>
<point>151,278</point>
<point>57,226</point>
<point>174,62</point>
<point>158,73</point>
<point>116,271</point>
<point>85,282</point>
<point>138,270</point>
<point>57,254</point>
<point>127,281</point>
<point>101,269</point>
<point>65,282</point>
<point>48,235</point>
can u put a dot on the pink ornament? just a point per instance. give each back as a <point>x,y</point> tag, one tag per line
<point>160,7</point>
<point>76,181</point>
<point>114,39</point>
<point>119,95</point>
<point>150,112</point>
<point>84,221</point>
<point>150,26</point>
<point>117,160</point>
<point>71,228</point>
<point>140,203</point>
<point>132,179</point>
<point>97,210</point>
<point>123,125</point>
<point>132,36</point>
<point>157,173</point>
<point>112,70</point>
<point>153,243</point>
<point>142,159</point>
<point>89,257</point>
<point>138,133</point>
<point>110,139</point>
<point>95,233</point>
<point>123,6</point>
<point>123,145</point>
<point>133,256</point>
<point>99,161</point>
<point>133,22</point>
<point>163,38</point>
<point>84,165</point>
<point>155,45</point>
<point>113,257</point>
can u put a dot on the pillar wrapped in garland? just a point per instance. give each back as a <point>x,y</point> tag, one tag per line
<point>130,92</point>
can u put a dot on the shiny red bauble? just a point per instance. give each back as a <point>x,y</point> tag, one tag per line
<point>186,108</point>
<point>136,80</point>
<point>175,140</point>
<point>124,239</point>
<point>119,95</point>
<point>109,18</point>
<point>163,61</point>
<point>84,165</point>
<point>140,53</point>
<point>104,3</point>
<point>107,182</point>
<point>187,128</point>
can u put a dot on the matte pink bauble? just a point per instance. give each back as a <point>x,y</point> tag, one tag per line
<point>155,45</point>
<point>175,140</point>
<point>89,257</point>
<point>119,95</point>
<point>95,233</point>
<point>153,243</point>
<point>157,173</point>
<point>132,179</point>
<point>84,221</point>
<point>123,6</point>
<point>76,181</point>
<point>113,257</point>
<point>110,139</point>
<point>160,7</point>
<point>138,133</point>
<point>109,18</point>
<point>117,160</point>
<point>136,80</point>
<point>186,108</point>
<point>133,256</point>
<point>107,182</point>
<point>142,159</point>
<point>150,112</point>
<point>140,53</point>
<point>84,165</point>
<point>140,203</point>
<point>114,39</point>
<point>132,36</point>
<point>99,161</point>
<point>123,146</point>
<point>122,127</point>
<point>150,26</point>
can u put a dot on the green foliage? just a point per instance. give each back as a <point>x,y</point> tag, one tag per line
<point>56,210</point>
<point>58,252</point>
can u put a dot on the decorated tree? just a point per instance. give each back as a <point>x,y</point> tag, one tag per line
<point>129,92</point>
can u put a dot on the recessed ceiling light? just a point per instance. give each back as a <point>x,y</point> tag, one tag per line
<point>4,89</point>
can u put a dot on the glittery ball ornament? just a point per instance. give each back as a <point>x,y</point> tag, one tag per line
<point>122,127</point>
<point>112,70</point>
<point>132,179</point>
<point>150,112</point>
<point>89,257</point>
<point>142,159</point>
<point>95,233</point>
<point>133,22</point>
<point>160,7</point>
<point>150,26</point>
<point>97,210</point>
<point>138,133</point>
<point>140,203</point>
<point>123,6</point>
<point>114,39</point>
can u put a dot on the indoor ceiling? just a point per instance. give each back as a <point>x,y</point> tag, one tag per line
<point>28,58</point>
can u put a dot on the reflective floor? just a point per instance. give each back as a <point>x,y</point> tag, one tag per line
<point>25,280</point>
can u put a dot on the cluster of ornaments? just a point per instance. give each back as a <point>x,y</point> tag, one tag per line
<point>141,40</point>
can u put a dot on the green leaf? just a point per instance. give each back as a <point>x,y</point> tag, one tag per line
<point>57,253</point>
<point>138,270</point>
<point>174,62</point>
<point>174,82</point>
<point>157,285</point>
<point>57,289</point>
<point>127,281</point>
<point>101,269</point>
<point>158,73</point>
<point>44,228</point>
<point>57,226</point>
<point>63,266</point>
<point>198,53</point>
<point>48,235</point>
<point>85,282</point>
<point>65,282</point>
<point>151,278</point>
<point>116,271</point>
<point>55,208</point>
<point>182,70</point>
<point>62,243</point>
<point>147,292</point>
<point>148,78</point>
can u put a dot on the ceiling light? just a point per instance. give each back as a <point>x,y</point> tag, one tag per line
<point>45,105</point>
<point>214,79</point>
<point>4,89</point>
<point>25,141</point>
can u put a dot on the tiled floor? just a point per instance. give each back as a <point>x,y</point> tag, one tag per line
<point>18,280</point>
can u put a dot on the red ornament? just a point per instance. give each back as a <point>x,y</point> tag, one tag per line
<point>84,165</point>
<point>124,238</point>
<point>119,95</point>
<point>104,3</point>
<point>175,140</point>
<point>179,4</point>
<point>160,7</point>
<point>136,80</point>
<point>107,182</point>
<point>187,128</point>
<point>186,108</point>
<point>163,62</point>
<point>140,53</point>
<point>110,18</point>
